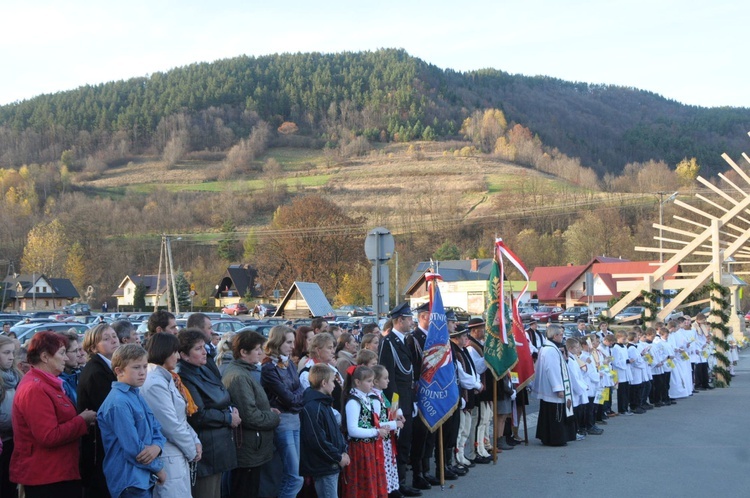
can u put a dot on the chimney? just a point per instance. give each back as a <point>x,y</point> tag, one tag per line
<point>474,264</point>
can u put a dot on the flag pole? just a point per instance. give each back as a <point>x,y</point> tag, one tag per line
<point>494,421</point>
<point>441,457</point>
<point>525,426</point>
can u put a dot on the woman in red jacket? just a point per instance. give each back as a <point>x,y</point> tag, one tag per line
<point>46,426</point>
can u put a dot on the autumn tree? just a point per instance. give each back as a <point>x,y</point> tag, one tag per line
<point>46,250</point>
<point>288,128</point>
<point>687,170</point>
<point>310,240</point>
<point>597,234</point>
<point>75,266</point>
<point>272,174</point>
<point>484,128</point>
<point>356,287</point>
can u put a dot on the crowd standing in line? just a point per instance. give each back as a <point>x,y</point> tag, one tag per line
<point>311,412</point>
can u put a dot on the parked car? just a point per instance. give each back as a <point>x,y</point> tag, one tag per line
<point>629,314</point>
<point>546,314</point>
<point>261,329</point>
<point>25,332</point>
<point>596,317</point>
<point>461,314</point>
<point>224,326</point>
<point>526,312</point>
<point>575,313</point>
<point>350,310</point>
<point>235,309</point>
<point>42,314</point>
<point>369,310</point>
<point>77,309</point>
<point>570,330</point>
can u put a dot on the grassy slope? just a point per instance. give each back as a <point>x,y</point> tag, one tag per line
<point>391,185</point>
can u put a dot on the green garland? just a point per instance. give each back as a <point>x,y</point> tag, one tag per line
<point>651,298</point>
<point>722,303</point>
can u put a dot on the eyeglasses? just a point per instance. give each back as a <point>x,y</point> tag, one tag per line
<point>73,351</point>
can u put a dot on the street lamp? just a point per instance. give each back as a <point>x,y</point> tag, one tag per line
<point>663,201</point>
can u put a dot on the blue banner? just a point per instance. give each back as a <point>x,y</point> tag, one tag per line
<point>437,394</point>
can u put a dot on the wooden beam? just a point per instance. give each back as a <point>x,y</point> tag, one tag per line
<point>702,277</point>
<point>687,250</point>
<point>730,182</point>
<point>734,166</point>
<point>694,209</point>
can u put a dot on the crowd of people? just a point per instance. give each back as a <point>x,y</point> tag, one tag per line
<point>640,369</point>
<point>308,412</point>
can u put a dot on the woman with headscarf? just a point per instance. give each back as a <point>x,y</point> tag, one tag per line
<point>46,427</point>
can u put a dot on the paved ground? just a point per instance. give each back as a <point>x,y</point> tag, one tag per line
<point>699,447</point>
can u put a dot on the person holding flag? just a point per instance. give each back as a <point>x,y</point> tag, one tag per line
<point>500,347</point>
<point>437,391</point>
<point>394,356</point>
<point>423,441</point>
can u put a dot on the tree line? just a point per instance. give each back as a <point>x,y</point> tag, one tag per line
<point>385,95</point>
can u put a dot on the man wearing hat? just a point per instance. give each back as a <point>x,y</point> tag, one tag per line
<point>481,414</point>
<point>470,384</point>
<point>536,339</point>
<point>423,441</point>
<point>394,356</point>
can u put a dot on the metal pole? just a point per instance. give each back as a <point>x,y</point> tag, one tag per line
<point>441,456</point>
<point>397,293</point>
<point>494,421</point>
<point>379,278</point>
<point>158,275</point>
<point>661,222</point>
<point>171,273</point>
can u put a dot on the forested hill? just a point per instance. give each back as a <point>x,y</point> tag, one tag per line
<point>385,95</point>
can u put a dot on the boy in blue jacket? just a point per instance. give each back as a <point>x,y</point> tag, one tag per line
<point>322,445</point>
<point>131,435</point>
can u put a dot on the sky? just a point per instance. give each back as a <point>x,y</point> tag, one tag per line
<point>687,51</point>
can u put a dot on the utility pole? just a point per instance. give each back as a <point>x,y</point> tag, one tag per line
<point>158,275</point>
<point>171,274</point>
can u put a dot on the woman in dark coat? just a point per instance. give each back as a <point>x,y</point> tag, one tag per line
<point>280,380</point>
<point>215,418</point>
<point>242,379</point>
<point>94,385</point>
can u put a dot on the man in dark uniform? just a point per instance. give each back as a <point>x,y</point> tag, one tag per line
<point>423,441</point>
<point>481,415</point>
<point>395,357</point>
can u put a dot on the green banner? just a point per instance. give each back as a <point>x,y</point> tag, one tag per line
<point>498,356</point>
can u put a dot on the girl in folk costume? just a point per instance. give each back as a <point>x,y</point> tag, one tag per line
<point>365,476</point>
<point>732,354</point>
<point>391,417</point>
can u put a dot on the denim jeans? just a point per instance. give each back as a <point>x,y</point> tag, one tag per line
<point>327,486</point>
<point>132,492</point>
<point>286,439</point>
